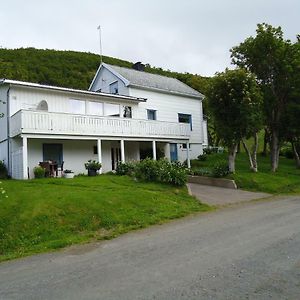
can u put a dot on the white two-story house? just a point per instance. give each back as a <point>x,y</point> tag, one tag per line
<point>125,115</point>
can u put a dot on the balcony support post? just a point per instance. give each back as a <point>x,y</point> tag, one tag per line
<point>188,155</point>
<point>99,153</point>
<point>154,149</point>
<point>122,151</point>
<point>25,157</point>
<point>167,151</point>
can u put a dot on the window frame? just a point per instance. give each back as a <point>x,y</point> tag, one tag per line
<point>152,111</point>
<point>189,119</point>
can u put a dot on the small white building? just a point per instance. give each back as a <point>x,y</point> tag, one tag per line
<point>125,115</point>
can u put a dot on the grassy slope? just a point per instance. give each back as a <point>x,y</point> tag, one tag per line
<point>286,180</point>
<point>45,214</point>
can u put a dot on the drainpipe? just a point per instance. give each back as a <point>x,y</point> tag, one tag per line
<point>8,132</point>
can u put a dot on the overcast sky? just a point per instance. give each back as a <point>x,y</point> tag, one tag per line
<point>185,36</point>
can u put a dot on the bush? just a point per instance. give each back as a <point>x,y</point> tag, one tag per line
<point>161,171</point>
<point>39,172</point>
<point>126,168</point>
<point>202,157</point>
<point>147,169</point>
<point>203,172</point>
<point>3,170</point>
<point>220,168</point>
<point>287,152</point>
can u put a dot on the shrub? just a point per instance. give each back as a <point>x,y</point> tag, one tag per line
<point>203,172</point>
<point>126,168</point>
<point>220,168</point>
<point>202,157</point>
<point>287,152</point>
<point>161,171</point>
<point>147,169</point>
<point>3,170</point>
<point>39,172</point>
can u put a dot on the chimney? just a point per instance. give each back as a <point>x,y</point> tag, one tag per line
<point>139,66</point>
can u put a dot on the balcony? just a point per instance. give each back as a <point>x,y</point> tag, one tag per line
<point>37,122</point>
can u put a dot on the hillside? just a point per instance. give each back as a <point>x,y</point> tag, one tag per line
<point>71,69</point>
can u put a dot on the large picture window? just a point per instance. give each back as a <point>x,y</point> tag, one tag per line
<point>77,106</point>
<point>185,118</point>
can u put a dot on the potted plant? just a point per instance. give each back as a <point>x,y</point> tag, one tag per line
<point>68,174</point>
<point>92,166</point>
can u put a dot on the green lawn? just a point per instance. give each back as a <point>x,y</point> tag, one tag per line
<point>44,214</point>
<point>285,181</point>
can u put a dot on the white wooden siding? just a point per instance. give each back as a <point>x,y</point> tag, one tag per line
<point>168,106</point>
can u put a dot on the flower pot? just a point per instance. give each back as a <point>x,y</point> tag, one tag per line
<point>69,175</point>
<point>92,172</point>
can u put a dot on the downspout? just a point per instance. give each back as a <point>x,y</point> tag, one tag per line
<point>8,133</point>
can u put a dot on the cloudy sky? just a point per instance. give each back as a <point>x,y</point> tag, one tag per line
<point>186,36</point>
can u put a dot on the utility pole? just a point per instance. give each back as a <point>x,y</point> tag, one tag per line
<point>99,28</point>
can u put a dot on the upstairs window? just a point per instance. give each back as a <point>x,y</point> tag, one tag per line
<point>185,118</point>
<point>113,88</point>
<point>77,106</point>
<point>151,114</point>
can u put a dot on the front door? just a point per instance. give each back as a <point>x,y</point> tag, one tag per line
<point>53,152</point>
<point>115,157</point>
<point>173,152</point>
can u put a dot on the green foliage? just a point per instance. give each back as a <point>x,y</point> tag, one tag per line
<point>202,157</point>
<point>202,172</point>
<point>126,168</point>
<point>52,213</point>
<point>235,103</point>
<point>71,69</point>
<point>39,172</point>
<point>158,171</point>
<point>92,165</point>
<point>275,63</point>
<point>3,170</point>
<point>220,169</point>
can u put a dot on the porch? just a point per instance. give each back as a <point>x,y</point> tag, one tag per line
<point>28,151</point>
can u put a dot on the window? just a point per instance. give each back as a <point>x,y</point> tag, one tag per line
<point>127,112</point>
<point>151,114</point>
<point>184,146</point>
<point>112,110</point>
<point>185,118</point>
<point>95,108</point>
<point>95,149</point>
<point>77,106</point>
<point>113,88</point>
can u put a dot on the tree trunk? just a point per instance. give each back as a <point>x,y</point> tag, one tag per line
<point>254,153</point>
<point>249,154</point>
<point>252,156</point>
<point>231,158</point>
<point>274,150</point>
<point>266,142</point>
<point>296,155</point>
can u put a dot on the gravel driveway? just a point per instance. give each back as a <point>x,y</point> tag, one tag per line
<point>249,251</point>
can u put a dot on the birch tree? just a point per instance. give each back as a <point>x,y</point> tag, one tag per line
<point>235,103</point>
<point>268,55</point>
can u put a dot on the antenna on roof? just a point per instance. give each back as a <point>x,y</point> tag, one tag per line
<point>99,28</point>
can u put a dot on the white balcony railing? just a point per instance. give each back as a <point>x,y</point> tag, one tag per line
<point>36,122</point>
